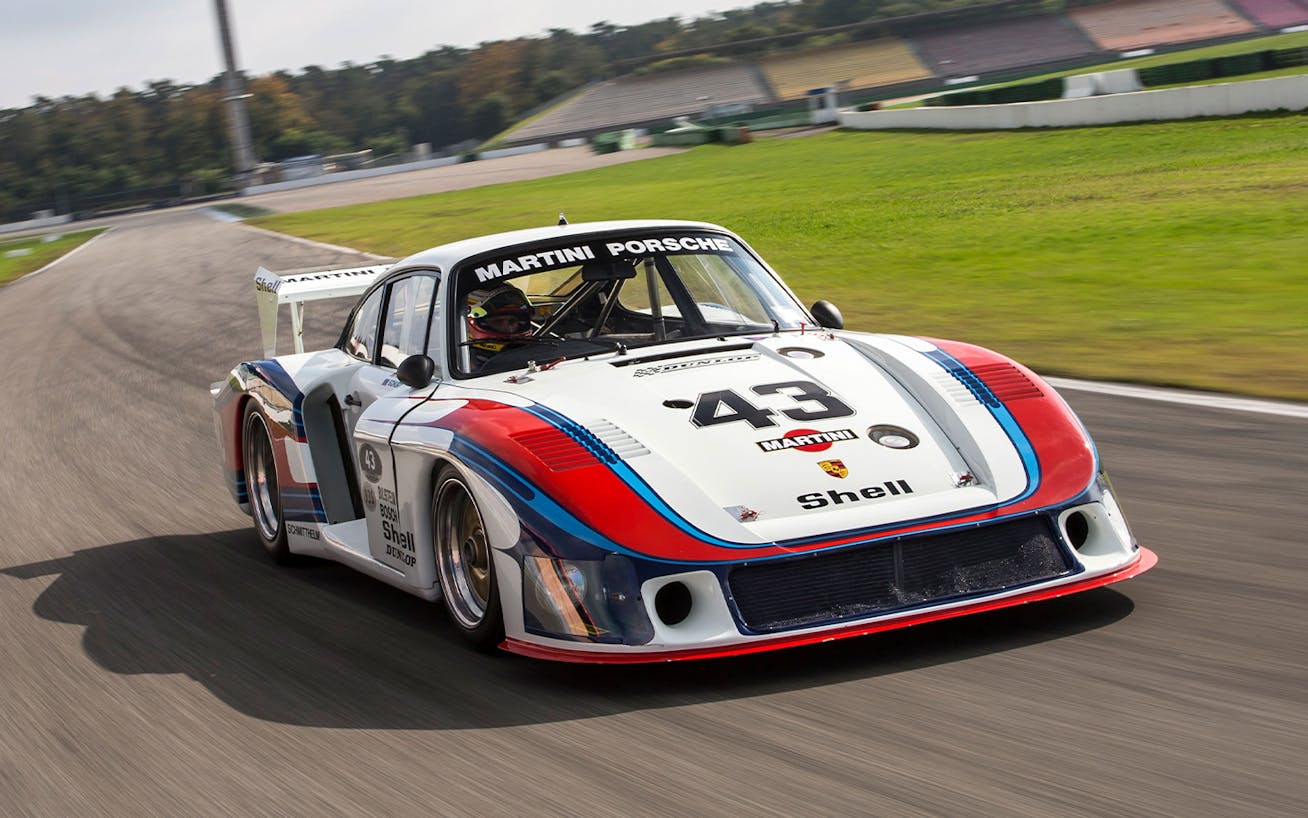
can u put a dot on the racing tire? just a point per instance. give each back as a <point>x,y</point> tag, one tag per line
<point>465,563</point>
<point>262,484</point>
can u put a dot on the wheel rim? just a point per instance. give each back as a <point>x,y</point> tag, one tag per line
<point>463,555</point>
<point>261,479</point>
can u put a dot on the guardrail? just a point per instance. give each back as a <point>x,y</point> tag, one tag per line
<point>34,224</point>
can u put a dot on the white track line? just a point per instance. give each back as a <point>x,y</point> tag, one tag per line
<point>311,243</point>
<point>1209,401</point>
<point>71,252</point>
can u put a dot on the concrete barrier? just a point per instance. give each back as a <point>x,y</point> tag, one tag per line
<point>367,173</point>
<point>1226,99</point>
<point>500,153</point>
<point>347,175</point>
<point>34,224</point>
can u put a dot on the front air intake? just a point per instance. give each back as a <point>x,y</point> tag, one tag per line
<point>885,577</point>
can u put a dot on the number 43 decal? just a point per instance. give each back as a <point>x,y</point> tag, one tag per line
<point>707,412</point>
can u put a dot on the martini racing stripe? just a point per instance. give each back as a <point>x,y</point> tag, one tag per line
<point>607,503</point>
<point>1065,461</point>
<point>1030,463</point>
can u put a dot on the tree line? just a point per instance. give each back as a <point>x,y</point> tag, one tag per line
<point>169,141</point>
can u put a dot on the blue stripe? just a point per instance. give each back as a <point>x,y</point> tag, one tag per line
<point>997,409</point>
<point>624,472</point>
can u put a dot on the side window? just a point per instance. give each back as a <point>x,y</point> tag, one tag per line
<point>363,332</point>
<point>407,314</point>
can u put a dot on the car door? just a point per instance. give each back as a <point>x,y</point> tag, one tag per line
<point>390,326</point>
<point>377,401</point>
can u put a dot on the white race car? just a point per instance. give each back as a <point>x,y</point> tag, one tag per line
<point>629,441</point>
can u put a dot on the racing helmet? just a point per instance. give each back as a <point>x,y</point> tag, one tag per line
<point>498,312</point>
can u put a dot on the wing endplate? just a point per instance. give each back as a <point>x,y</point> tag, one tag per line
<point>271,290</point>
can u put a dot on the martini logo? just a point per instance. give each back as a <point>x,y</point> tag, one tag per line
<point>544,260</point>
<point>806,440</point>
<point>835,468</point>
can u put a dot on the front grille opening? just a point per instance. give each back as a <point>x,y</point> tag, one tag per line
<point>885,577</point>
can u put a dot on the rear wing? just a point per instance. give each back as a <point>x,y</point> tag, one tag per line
<point>272,290</point>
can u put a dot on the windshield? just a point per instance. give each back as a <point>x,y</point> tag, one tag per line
<point>595,294</point>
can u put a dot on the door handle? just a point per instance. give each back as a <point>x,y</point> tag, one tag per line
<point>351,399</point>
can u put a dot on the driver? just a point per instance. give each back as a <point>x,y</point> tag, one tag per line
<point>495,315</point>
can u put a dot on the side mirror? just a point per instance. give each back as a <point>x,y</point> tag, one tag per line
<point>416,371</point>
<point>828,315</point>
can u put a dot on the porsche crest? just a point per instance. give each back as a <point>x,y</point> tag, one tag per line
<point>835,468</point>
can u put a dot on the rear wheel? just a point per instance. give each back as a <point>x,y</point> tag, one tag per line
<point>465,562</point>
<point>262,485</point>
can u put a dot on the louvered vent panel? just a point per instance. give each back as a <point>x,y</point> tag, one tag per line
<point>555,449</point>
<point>959,393</point>
<point>617,439</point>
<point>1007,382</point>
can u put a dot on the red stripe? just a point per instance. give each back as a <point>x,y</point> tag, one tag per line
<point>1064,452</point>
<point>1146,560</point>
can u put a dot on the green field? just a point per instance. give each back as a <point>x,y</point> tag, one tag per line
<point>1172,253</point>
<point>18,257</point>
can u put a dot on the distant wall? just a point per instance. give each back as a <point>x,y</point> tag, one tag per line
<point>500,153</point>
<point>346,175</point>
<point>34,224</point>
<point>1227,99</point>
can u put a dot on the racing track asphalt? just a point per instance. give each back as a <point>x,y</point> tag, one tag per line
<point>154,663</point>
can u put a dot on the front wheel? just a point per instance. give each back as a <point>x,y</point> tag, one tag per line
<point>262,485</point>
<point>465,562</point>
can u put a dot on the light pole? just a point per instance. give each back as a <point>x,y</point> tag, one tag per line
<point>234,86</point>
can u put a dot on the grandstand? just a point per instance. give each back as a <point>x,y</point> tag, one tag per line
<point>1126,25</point>
<point>635,100</point>
<point>911,53</point>
<point>972,48</point>
<point>1273,13</point>
<point>870,64</point>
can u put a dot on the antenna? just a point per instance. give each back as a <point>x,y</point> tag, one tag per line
<point>562,219</point>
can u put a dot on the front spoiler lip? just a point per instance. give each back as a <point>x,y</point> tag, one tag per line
<point>1147,559</point>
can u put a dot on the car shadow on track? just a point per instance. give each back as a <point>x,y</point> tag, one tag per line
<point>319,645</point>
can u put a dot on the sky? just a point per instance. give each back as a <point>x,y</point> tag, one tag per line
<point>74,47</point>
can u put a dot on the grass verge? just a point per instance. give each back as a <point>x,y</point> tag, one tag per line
<point>21,256</point>
<point>1167,253</point>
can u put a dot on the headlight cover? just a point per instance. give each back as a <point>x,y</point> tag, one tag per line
<point>584,600</point>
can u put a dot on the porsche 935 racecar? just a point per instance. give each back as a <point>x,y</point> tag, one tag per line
<point>629,441</point>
